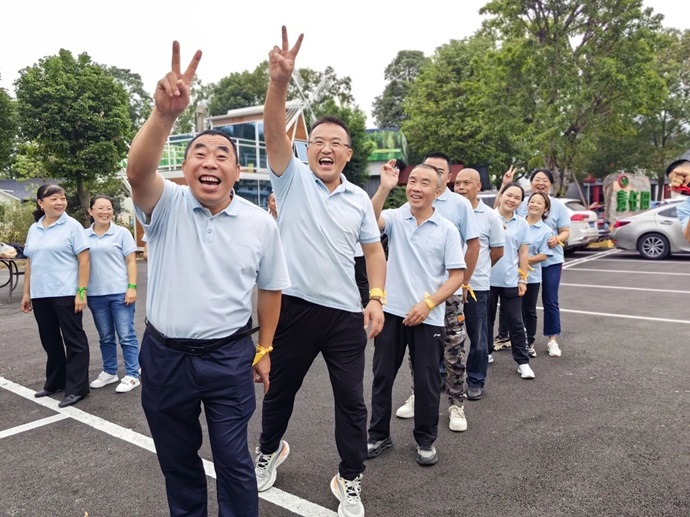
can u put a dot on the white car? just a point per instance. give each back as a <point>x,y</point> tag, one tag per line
<point>583,225</point>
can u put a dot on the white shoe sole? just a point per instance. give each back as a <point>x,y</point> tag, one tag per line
<point>279,462</point>
<point>100,384</point>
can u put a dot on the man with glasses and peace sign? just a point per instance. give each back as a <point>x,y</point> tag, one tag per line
<point>322,218</point>
<point>197,347</point>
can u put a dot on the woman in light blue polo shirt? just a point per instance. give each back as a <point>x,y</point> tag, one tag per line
<point>112,293</point>
<point>538,206</point>
<point>505,281</point>
<point>55,283</point>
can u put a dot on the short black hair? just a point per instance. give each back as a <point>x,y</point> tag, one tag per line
<point>217,132</point>
<point>330,119</point>
<point>439,155</point>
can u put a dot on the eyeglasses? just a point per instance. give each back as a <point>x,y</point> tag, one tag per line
<point>320,143</point>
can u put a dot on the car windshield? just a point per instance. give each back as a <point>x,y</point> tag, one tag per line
<point>575,205</point>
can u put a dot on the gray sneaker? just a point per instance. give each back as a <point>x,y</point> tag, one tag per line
<point>267,466</point>
<point>349,494</point>
<point>426,456</point>
<point>376,447</point>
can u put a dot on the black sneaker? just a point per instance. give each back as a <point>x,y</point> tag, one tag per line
<point>376,447</point>
<point>501,342</point>
<point>426,456</point>
<point>474,392</point>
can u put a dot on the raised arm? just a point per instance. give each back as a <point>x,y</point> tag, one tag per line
<point>171,99</point>
<point>281,63</point>
<point>389,180</point>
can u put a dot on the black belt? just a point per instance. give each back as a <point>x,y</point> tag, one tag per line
<point>199,346</point>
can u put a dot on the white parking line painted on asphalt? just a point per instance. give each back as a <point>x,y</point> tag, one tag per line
<point>631,272</point>
<point>31,425</point>
<point>589,258</point>
<point>278,497</point>
<point>647,261</point>
<point>624,316</point>
<point>673,291</point>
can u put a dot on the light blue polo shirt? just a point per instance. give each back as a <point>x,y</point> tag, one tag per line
<point>505,271</point>
<point>558,218</point>
<point>683,212</point>
<point>491,235</point>
<point>202,268</point>
<point>319,230</point>
<point>108,267</point>
<point>539,233</point>
<point>53,257</point>
<point>418,260</point>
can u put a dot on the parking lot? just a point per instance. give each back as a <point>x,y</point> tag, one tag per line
<point>603,430</point>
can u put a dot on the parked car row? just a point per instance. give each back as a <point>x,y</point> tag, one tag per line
<point>655,233</point>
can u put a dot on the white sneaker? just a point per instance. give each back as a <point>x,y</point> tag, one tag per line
<point>128,383</point>
<point>531,351</point>
<point>407,409</point>
<point>267,465</point>
<point>349,494</point>
<point>104,379</point>
<point>491,358</point>
<point>525,371</point>
<point>458,422</point>
<point>554,351</point>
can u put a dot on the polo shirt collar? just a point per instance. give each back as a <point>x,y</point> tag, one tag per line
<point>109,231</point>
<point>407,214</point>
<point>445,195</point>
<point>61,220</point>
<point>231,209</point>
<point>481,207</point>
<point>538,224</point>
<point>509,220</point>
<point>345,185</point>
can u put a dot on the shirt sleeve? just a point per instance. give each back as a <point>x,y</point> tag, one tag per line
<point>369,232</point>
<point>497,235</point>
<point>454,257</point>
<point>562,219</point>
<point>468,221</point>
<point>128,244</point>
<point>273,273</point>
<point>80,241</point>
<point>544,242</point>
<point>281,184</point>
<point>683,212</point>
<point>160,212</point>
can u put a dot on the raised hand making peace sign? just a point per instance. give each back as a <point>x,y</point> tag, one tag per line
<point>281,61</point>
<point>172,92</point>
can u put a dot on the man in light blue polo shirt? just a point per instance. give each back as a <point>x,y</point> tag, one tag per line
<point>208,249</point>
<point>491,244</point>
<point>458,211</point>
<point>322,218</point>
<point>679,176</point>
<point>425,268</point>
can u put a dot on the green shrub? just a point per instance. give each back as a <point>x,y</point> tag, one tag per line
<point>15,220</point>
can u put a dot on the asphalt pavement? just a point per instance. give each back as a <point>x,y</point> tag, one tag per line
<point>602,430</point>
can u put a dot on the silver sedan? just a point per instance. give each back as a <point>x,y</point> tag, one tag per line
<point>655,233</point>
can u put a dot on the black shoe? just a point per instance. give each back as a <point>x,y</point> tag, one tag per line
<point>426,456</point>
<point>474,392</point>
<point>70,400</point>
<point>374,448</point>
<point>45,393</point>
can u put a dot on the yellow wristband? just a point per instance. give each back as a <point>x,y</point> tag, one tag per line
<point>523,275</point>
<point>469,290</point>
<point>559,241</point>
<point>260,352</point>
<point>377,292</point>
<point>428,301</point>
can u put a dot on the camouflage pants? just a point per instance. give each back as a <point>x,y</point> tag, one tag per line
<point>454,358</point>
<point>454,354</point>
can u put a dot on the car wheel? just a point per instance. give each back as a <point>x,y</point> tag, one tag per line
<point>654,246</point>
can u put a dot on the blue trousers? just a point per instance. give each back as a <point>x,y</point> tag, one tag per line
<point>112,316</point>
<point>477,325</point>
<point>174,385</point>
<point>550,282</point>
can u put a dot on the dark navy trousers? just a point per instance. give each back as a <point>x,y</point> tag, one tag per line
<point>477,325</point>
<point>174,387</point>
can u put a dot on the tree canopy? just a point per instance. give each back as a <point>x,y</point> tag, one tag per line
<point>8,130</point>
<point>77,118</point>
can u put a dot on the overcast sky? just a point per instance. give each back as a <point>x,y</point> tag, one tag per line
<point>357,38</point>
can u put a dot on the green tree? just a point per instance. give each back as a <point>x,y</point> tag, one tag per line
<point>239,90</point>
<point>8,130</point>
<point>78,118</point>
<point>140,101</point>
<point>400,74</point>
<point>443,106</point>
<point>567,70</point>
<point>187,122</point>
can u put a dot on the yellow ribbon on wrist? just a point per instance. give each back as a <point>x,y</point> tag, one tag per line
<point>523,275</point>
<point>429,302</point>
<point>260,352</point>
<point>377,292</point>
<point>470,290</point>
<point>559,241</point>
